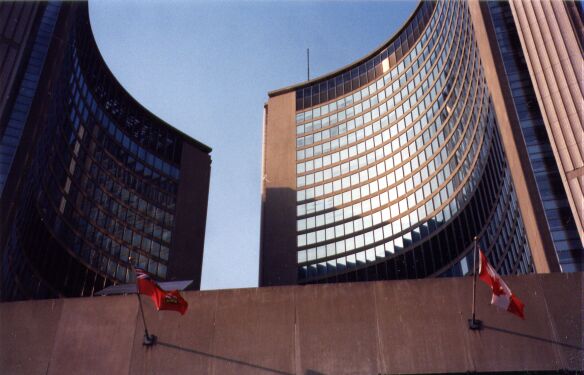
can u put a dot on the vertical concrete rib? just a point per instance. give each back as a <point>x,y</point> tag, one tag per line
<point>556,67</point>
<point>544,257</point>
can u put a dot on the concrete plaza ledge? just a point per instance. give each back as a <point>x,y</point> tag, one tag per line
<point>411,326</point>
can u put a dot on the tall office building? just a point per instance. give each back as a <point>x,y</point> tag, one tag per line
<point>467,122</point>
<point>88,176</point>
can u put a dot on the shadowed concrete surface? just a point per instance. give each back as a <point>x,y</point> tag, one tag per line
<point>386,327</point>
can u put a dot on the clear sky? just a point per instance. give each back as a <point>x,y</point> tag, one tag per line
<point>205,67</point>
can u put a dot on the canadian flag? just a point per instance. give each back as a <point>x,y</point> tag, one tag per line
<point>502,296</point>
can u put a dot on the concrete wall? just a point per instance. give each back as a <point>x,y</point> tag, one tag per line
<point>532,212</point>
<point>186,255</point>
<point>278,223</point>
<point>554,59</point>
<point>360,328</point>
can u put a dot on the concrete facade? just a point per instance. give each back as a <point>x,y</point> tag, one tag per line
<point>555,63</point>
<point>278,265</point>
<point>354,328</point>
<point>538,236</point>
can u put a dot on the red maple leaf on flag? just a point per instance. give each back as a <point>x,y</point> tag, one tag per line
<point>502,296</point>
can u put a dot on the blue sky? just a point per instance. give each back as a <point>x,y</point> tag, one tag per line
<point>205,67</point>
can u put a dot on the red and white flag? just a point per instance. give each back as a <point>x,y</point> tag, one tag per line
<point>163,299</point>
<point>502,296</point>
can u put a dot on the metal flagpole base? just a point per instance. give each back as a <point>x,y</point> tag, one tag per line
<point>149,340</point>
<point>475,324</point>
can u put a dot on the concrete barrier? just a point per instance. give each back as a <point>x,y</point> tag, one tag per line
<point>413,326</point>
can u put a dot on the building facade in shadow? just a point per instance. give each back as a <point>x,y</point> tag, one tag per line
<point>89,177</point>
<point>389,167</point>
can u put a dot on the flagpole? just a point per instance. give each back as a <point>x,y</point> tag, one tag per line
<point>473,323</point>
<point>149,340</point>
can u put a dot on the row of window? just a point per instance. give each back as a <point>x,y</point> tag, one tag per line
<point>79,216</point>
<point>401,141</point>
<point>513,258</point>
<point>79,86</point>
<point>367,71</point>
<point>156,186</point>
<point>134,190</point>
<point>139,125</point>
<point>423,56</point>
<point>110,175</point>
<point>442,199</point>
<point>103,229</point>
<point>450,148</point>
<point>453,156</point>
<point>384,260</point>
<point>410,112</point>
<point>384,159</point>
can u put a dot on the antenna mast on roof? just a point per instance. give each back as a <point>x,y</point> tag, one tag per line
<point>308,63</point>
